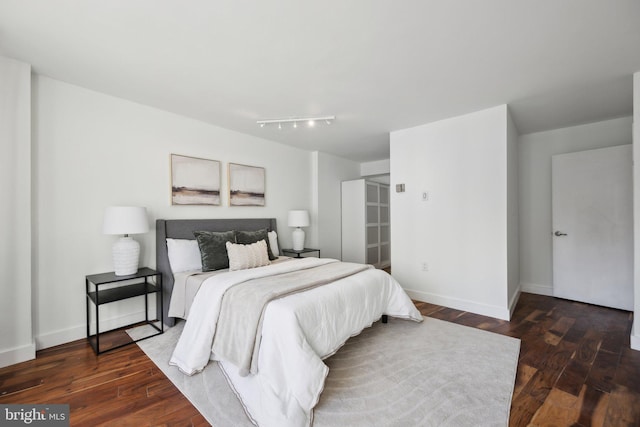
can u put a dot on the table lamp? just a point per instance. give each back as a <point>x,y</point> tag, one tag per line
<point>298,219</point>
<point>125,220</point>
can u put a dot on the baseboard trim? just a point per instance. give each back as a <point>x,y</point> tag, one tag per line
<point>64,336</point>
<point>17,355</point>
<point>635,340</point>
<point>460,304</point>
<point>534,288</point>
<point>514,301</point>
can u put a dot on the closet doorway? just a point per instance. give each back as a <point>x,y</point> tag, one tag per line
<point>366,224</point>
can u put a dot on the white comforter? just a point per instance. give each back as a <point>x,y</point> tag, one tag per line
<point>298,332</point>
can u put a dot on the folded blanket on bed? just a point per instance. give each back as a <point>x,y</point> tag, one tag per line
<point>244,304</point>
<point>185,287</point>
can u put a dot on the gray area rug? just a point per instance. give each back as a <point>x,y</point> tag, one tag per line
<point>402,373</point>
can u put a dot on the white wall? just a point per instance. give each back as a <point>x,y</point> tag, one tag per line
<point>376,171</point>
<point>513,215</point>
<point>378,167</point>
<point>635,332</point>
<point>16,339</point>
<point>535,151</point>
<point>91,151</point>
<point>461,231</point>
<point>329,172</point>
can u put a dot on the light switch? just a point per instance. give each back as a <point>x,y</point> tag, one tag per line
<point>425,196</point>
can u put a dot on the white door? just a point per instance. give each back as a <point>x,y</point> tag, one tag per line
<point>593,226</point>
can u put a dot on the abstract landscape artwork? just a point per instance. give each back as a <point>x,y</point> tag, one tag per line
<point>246,185</point>
<point>194,181</point>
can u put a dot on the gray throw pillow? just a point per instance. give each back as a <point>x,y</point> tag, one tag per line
<point>213,249</point>
<point>248,237</point>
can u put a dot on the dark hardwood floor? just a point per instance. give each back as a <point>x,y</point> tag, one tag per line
<point>575,369</point>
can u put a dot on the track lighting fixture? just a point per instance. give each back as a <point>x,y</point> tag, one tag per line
<point>311,121</point>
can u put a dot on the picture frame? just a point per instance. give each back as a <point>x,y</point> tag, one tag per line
<point>246,185</point>
<point>195,181</point>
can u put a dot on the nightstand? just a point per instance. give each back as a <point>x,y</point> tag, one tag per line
<point>298,254</point>
<point>137,284</point>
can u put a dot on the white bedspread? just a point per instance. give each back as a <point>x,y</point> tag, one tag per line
<point>296,336</point>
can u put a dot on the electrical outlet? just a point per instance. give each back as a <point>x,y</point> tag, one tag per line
<point>425,266</point>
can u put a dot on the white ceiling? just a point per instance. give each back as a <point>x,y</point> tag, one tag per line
<point>378,65</point>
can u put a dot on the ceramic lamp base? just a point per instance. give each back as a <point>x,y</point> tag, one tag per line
<point>126,252</point>
<point>298,239</point>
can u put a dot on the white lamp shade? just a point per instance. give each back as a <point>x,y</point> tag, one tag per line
<point>298,218</point>
<point>125,220</point>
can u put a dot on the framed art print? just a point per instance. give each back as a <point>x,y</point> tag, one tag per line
<point>194,181</point>
<point>246,185</point>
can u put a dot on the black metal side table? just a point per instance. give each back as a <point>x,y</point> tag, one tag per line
<point>133,288</point>
<point>298,254</point>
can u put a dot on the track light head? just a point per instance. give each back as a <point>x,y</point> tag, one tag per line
<point>311,121</point>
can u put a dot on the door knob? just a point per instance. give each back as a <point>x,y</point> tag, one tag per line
<point>559,233</point>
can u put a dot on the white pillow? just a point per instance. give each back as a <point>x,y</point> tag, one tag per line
<point>273,243</point>
<point>247,256</point>
<point>184,255</point>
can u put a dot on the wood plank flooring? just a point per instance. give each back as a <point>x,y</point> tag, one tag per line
<point>575,366</point>
<point>575,369</point>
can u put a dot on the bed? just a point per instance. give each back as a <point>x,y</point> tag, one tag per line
<point>280,379</point>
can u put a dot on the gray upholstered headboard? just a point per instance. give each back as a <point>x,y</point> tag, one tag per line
<point>183,229</point>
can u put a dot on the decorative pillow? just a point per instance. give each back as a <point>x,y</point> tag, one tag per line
<point>184,255</point>
<point>273,243</point>
<point>247,237</point>
<point>247,256</point>
<point>213,251</point>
